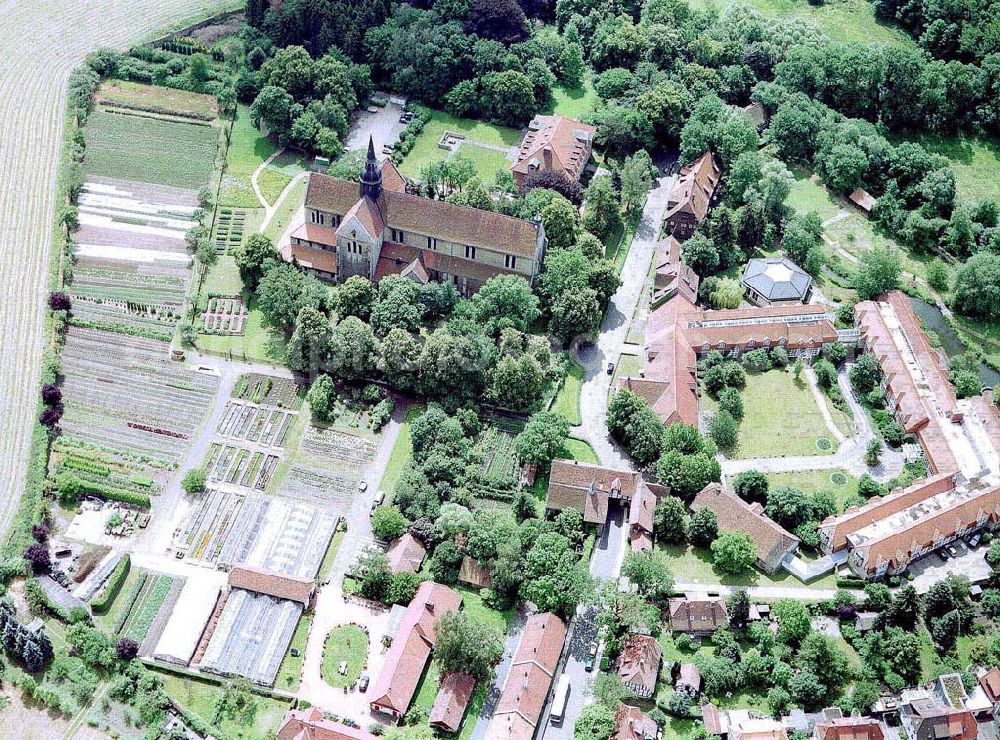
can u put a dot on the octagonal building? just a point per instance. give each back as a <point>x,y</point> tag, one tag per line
<point>776,281</point>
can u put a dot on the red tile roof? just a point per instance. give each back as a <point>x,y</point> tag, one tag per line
<point>632,724</point>
<point>639,663</point>
<point>990,681</point>
<point>391,177</point>
<point>452,699</point>
<point>711,718</point>
<point>272,583</point>
<point>555,143</point>
<point>850,728</point>
<point>309,724</point>
<point>862,199</point>
<point>587,488</point>
<point>316,259</point>
<point>641,509</point>
<point>474,573</point>
<point>698,615</point>
<point>943,722</point>
<point>406,553</point>
<point>692,193</point>
<point>523,697</point>
<point>411,648</point>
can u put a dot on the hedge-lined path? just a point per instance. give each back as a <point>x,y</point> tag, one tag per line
<point>41,43</point>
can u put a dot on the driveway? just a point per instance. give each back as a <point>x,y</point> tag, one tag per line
<point>382,126</point>
<point>931,568</point>
<point>614,330</point>
<point>499,677</point>
<point>605,563</point>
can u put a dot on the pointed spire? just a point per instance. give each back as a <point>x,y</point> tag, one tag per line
<point>371,175</point>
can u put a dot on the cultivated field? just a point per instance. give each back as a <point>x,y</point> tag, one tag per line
<point>166,152</point>
<point>125,394</point>
<point>155,99</point>
<point>32,101</point>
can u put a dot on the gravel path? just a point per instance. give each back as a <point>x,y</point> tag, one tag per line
<point>41,43</point>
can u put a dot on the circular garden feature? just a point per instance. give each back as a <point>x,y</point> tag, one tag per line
<point>345,654</point>
<point>838,479</point>
<point>824,444</point>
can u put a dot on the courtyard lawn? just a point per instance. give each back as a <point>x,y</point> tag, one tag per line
<point>290,672</point>
<point>201,698</point>
<point>293,200</point>
<point>567,401</point>
<point>628,365</point>
<point>222,278</point>
<point>846,21</point>
<point>575,102</point>
<point>694,565</point>
<point>400,455</point>
<point>248,148</point>
<point>581,451</point>
<point>488,161</point>
<point>839,482</point>
<point>806,195</point>
<point>974,159</point>
<point>781,418</point>
<point>426,150</point>
<point>274,178</point>
<point>345,643</point>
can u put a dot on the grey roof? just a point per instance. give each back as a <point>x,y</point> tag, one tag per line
<point>777,278</point>
<point>59,595</point>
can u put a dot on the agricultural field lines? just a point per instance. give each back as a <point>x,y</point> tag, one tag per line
<point>225,315</point>
<point>258,424</point>
<point>154,150</point>
<point>32,102</point>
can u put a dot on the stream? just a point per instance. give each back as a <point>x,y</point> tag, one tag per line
<point>951,343</point>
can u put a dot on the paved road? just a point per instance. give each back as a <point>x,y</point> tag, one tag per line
<point>499,677</point>
<point>39,44</point>
<point>614,331</point>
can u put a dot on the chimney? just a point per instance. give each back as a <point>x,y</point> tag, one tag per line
<point>430,606</point>
<point>547,156</point>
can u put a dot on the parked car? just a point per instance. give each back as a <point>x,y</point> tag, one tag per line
<point>976,539</point>
<point>591,658</point>
<point>944,554</point>
<point>363,485</point>
<point>952,551</point>
<point>611,368</point>
<point>363,682</point>
<point>377,500</point>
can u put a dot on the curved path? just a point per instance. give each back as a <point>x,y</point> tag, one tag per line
<point>40,43</point>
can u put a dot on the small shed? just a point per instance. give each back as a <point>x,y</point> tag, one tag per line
<point>865,621</point>
<point>864,200</point>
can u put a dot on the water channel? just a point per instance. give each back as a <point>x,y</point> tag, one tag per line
<point>951,343</point>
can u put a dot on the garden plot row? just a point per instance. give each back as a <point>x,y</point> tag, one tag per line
<point>499,460</point>
<point>241,467</point>
<point>342,450</point>
<point>150,620</point>
<point>230,225</point>
<point>101,467</point>
<point>269,390</point>
<point>225,315</point>
<point>287,536</point>
<point>162,198</point>
<point>157,322</point>
<point>131,285</point>
<point>332,490</point>
<point>259,424</point>
<point>124,394</point>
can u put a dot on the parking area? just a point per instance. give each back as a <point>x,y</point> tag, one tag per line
<point>970,563</point>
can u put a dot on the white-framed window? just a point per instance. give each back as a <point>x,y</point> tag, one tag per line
<point>397,235</point>
<point>317,218</point>
<point>432,243</point>
<point>510,261</point>
<point>470,253</point>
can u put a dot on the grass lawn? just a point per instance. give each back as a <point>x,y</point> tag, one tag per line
<point>293,200</point>
<point>345,643</point>
<point>152,150</point>
<point>847,21</point>
<point>426,150</point>
<point>975,160</point>
<point>627,365</point>
<point>781,418</point>
<point>567,401</point>
<point>200,697</point>
<point>122,601</point>
<point>488,161</point>
<point>291,667</point>
<point>258,342</point>
<point>271,183</point>
<point>573,102</point>
<point>694,565</point>
<point>580,450</point>
<point>806,195</point>
<point>331,554</point>
<point>223,278</point>
<point>810,481</point>
<point>401,452</point>
<point>248,149</point>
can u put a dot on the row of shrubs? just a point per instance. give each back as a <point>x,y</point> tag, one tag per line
<point>133,597</point>
<point>71,487</point>
<point>103,601</point>
<point>408,137</point>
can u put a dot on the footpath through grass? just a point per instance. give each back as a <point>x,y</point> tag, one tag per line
<point>248,149</point>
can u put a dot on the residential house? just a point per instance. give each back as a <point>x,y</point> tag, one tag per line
<point>631,723</point>
<point>406,554</point>
<point>271,583</point>
<point>473,573</point>
<point>451,701</point>
<point>755,728</point>
<point>773,542</point>
<point>640,518</point>
<point>716,722</point>
<point>639,664</point>
<point>671,276</point>
<point>699,617</point>
<point>929,719</point>
<point>757,114</point>
<point>863,200</point>
<point>411,649</point>
<point>554,144</point>
<point>691,196</point>
<point>588,488</point>
<point>375,228</point>
<point>776,281</point>
<point>310,724</point>
<point>688,680</point>
<point>519,708</point>
<point>989,681</point>
<point>850,728</point>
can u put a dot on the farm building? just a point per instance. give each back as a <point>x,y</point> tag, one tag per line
<point>411,649</point>
<point>310,724</point>
<point>406,554</point>
<point>183,631</point>
<point>451,701</point>
<point>588,488</point>
<point>691,197</point>
<point>250,636</point>
<point>864,200</point>
<point>474,573</point>
<point>278,585</point>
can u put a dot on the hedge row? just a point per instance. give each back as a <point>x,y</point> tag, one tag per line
<point>113,493</point>
<point>87,466</point>
<point>133,597</point>
<point>102,602</point>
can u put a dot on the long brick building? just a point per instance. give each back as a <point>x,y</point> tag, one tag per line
<point>375,228</point>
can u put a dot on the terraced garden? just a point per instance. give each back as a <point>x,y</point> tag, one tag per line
<point>124,394</point>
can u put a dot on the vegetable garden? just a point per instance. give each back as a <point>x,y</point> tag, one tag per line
<point>240,466</point>
<point>257,424</point>
<point>224,315</point>
<point>123,394</point>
